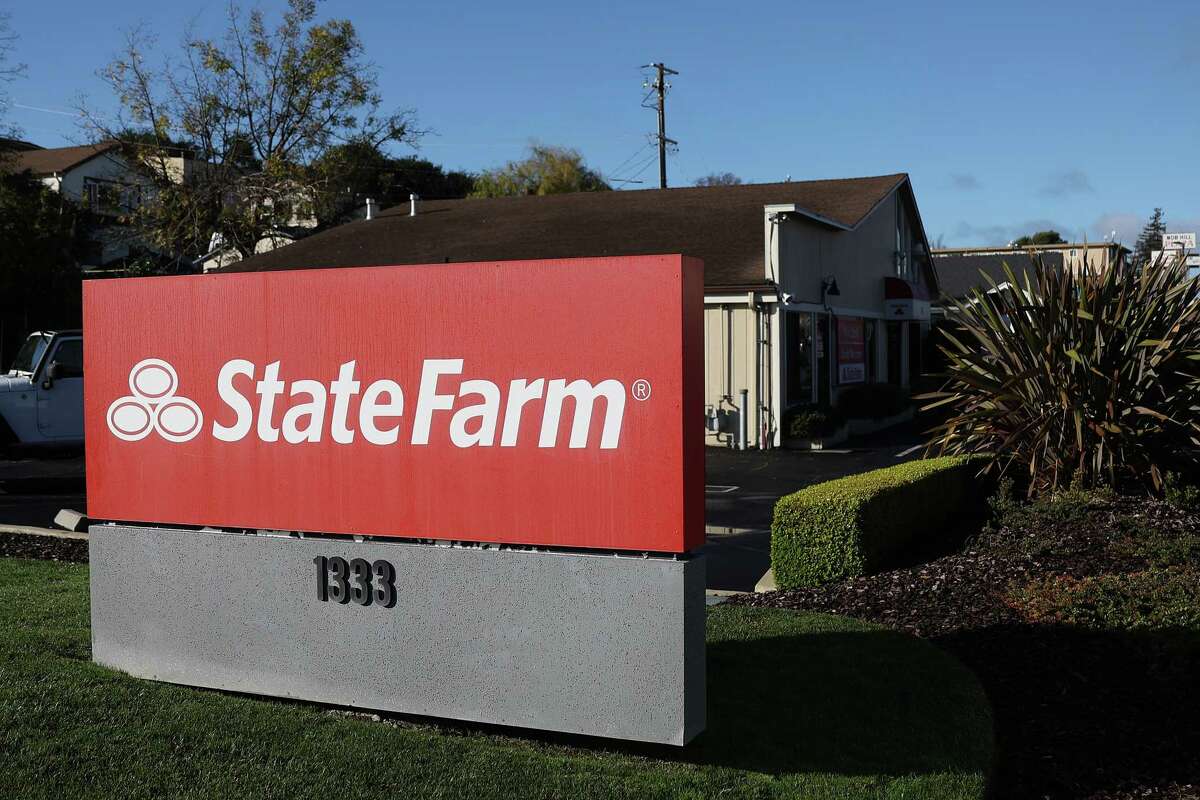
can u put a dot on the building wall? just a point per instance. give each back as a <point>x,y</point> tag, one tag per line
<point>799,253</point>
<point>107,167</point>
<point>859,260</point>
<point>731,365</point>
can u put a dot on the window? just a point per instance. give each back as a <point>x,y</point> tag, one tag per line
<point>69,357</point>
<point>902,257</point>
<point>110,197</point>
<point>799,343</point>
<point>30,352</point>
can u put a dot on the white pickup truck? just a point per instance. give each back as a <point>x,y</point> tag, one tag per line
<point>41,396</point>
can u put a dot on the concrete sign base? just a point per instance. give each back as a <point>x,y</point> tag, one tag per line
<point>600,645</point>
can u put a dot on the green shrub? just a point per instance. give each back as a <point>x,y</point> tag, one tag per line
<point>1067,506</point>
<point>856,525</point>
<point>1155,599</point>
<point>872,401</point>
<point>811,422</point>
<point>1076,378</point>
<point>1180,493</point>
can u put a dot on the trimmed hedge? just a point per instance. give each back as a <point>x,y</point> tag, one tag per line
<point>858,524</point>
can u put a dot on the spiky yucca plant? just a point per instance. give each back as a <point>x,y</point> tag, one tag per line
<point>1086,379</point>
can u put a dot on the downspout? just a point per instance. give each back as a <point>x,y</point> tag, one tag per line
<point>764,414</point>
<point>752,301</point>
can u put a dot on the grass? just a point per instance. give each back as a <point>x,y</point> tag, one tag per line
<point>800,705</point>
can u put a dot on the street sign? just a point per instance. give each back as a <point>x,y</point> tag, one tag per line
<point>528,402</point>
<point>1186,241</point>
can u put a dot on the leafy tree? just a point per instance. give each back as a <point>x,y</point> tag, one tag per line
<point>41,244</point>
<point>1150,239</point>
<point>546,170</point>
<point>351,173</point>
<point>719,179</point>
<point>259,106</point>
<point>1041,237</point>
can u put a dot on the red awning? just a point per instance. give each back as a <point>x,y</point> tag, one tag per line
<point>900,289</point>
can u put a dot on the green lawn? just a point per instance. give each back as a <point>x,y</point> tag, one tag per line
<point>800,705</point>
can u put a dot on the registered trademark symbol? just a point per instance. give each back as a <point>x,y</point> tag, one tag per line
<point>640,389</point>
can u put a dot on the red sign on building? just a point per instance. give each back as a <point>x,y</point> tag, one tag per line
<point>851,350</point>
<point>528,402</point>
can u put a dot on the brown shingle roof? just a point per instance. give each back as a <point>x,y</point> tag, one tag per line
<point>721,225</point>
<point>57,159</point>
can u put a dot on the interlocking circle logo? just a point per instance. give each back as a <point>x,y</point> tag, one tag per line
<point>154,406</point>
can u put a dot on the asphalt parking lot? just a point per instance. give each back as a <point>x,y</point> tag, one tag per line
<point>743,487</point>
<point>741,491</point>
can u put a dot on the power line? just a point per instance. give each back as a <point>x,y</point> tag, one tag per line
<point>642,167</point>
<point>626,162</point>
<point>660,87</point>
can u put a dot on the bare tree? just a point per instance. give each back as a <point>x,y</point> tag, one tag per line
<point>9,71</point>
<point>719,179</point>
<point>232,130</point>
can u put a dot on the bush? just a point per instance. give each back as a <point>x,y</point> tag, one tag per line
<point>856,525</point>
<point>811,422</point>
<point>872,401</point>
<point>1155,600</point>
<point>1068,506</point>
<point>1080,379</point>
<point>1180,493</point>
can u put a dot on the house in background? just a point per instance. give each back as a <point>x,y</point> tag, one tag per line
<point>1073,256</point>
<point>960,273</point>
<point>810,286</point>
<point>98,178</point>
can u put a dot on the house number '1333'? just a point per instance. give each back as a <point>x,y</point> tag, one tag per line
<point>358,580</point>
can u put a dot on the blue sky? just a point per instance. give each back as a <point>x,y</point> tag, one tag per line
<point>1010,117</point>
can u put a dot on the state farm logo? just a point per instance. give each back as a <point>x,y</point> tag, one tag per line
<point>154,406</point>
<point>475,413</point>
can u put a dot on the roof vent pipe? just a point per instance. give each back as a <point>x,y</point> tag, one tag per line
<point>412,204</point>
<point>370,208</point>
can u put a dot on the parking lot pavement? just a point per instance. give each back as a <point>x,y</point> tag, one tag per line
<point>743,487</point>
<point>33,490</point>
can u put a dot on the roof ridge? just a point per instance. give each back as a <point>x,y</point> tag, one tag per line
<point>899,177</point>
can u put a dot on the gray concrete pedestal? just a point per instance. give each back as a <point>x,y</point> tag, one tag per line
<point>601,645</point>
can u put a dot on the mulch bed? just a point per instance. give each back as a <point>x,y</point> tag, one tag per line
<point>1079,713</point>
<point>50,548</point>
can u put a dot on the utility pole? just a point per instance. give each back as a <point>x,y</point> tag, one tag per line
<point>660,86</point>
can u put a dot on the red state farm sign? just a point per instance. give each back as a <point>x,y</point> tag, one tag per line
<point>525,402</point>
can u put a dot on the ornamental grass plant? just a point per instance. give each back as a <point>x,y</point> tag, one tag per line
<point>1076,378</point>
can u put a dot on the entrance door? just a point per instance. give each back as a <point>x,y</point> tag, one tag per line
<point>824,337</point>
<point>914,353</point>
<point>60,401</point>
<point>799,344</point>
<point>894,367</point>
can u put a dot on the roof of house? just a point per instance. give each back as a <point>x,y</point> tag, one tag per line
<point>1024,248</point>
<point>57,159</point>
<point>722,225</point>
<point>959,273</point>
<point>8,143</point>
